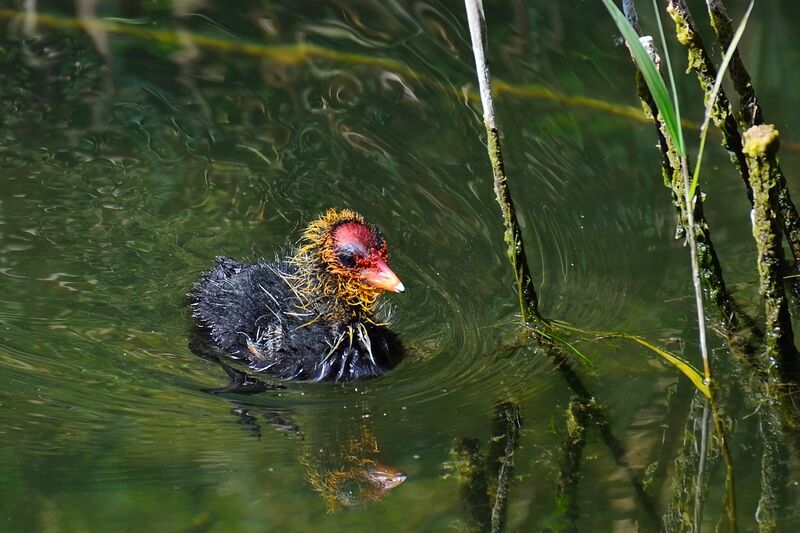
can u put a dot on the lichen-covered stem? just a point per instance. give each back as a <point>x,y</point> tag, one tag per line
<point>515,247</point>
<point>752,115</point>
<point>722,112</point>
<point>723,26</point>
<point>761,148</point>
<point>699,61</point>
<point>789,215</point>
<point>528,301</point>
<point>629,9</point>
<point>725,452</point>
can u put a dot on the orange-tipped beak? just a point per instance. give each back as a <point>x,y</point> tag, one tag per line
<point>382,277</point>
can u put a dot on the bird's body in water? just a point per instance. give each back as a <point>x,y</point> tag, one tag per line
<point>309,316</point>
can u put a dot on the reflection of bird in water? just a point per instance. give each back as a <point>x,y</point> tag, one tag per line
<point>309,316</point>
<point>351,474</point>
<point>345,468</point>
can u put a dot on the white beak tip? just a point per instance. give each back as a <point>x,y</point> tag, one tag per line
<point>399,287</point>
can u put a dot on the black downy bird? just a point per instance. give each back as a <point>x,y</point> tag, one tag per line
<point>310,315</point>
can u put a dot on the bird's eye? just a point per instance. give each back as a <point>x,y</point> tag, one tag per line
<point>347,259</point>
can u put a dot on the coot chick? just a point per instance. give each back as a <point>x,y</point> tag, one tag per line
<point>310,315</point>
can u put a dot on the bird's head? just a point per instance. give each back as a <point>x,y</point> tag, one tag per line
<point>349,258</point>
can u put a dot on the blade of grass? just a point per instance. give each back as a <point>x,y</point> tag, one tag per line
<point>549,335</point>
<point>679,138</point>
<point>651,75</point>
<point>685,367</point>
<point>714,92</point>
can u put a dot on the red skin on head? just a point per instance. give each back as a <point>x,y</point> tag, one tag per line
<point>354,235</point>
<point>371,254</point>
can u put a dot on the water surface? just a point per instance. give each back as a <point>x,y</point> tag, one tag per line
<point>136,150</point>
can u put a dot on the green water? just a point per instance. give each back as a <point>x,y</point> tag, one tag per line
<point>133,154</point>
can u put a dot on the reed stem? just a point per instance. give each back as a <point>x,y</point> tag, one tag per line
<point>526,292</point>
<point>761,148</point>
<point>751,114</point>
<point>722,112</point>
<point>699,61</point>
<point>698,290</point>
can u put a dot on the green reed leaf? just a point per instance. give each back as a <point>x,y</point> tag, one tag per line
<point>685,367</point>
<point>651,76</point>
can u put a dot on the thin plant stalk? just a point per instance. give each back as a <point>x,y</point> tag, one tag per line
<point>668,110</point>
<point>526,292</point>
<point>730,499</point>
<point>689,189</point>
<point>690,226</point>
<point>698,289</point>
<point>738,328</point>
<point>689,192</point>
